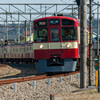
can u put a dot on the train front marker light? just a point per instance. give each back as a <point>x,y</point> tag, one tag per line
<point>41,46</point>
<point>68,45</point>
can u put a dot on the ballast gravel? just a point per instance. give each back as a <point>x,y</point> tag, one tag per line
<point>41,89</point>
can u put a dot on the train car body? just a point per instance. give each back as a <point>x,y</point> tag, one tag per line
<point>57,43</point>
<point>17,53</point>
<point>56,46</point>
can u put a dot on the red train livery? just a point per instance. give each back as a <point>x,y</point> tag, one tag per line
<point>57,43</point>
<point>56,46</point>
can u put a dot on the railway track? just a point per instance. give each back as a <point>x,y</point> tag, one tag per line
<point>31,78</point>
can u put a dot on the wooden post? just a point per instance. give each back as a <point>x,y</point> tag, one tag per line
<point>51,96</point>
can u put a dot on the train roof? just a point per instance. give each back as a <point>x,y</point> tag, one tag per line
<point>60,17</point>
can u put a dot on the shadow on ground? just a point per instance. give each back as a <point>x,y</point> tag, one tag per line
<point>24,70</point>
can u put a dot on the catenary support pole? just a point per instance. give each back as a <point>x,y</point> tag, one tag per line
<point>90,44</point>
<point>30,26</point>
<point>83,44</point>
<point>18,29</point>
<point>98,48</point>
<point>7,26</point>
<point>25,31</point>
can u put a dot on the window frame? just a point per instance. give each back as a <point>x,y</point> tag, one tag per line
<point>71,21</point>
<point>55,38</point>
<point>75,30</point>
<point>54,23</point>
<point>40,28</point>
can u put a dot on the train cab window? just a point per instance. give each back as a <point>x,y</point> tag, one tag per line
<point>67,22</point>
<point>40,35</point>
<point>54,21</point>
<point>69,33</point>
<point>54,34</point>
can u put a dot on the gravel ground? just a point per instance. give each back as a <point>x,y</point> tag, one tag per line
<point>16,70</point>
<point>6,70</point>
<point>41,90</point>
<point>84,95</point>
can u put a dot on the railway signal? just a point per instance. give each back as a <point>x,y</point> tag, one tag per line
<point>6,42</point>
<point>96,68</point>
<point>96,64</point>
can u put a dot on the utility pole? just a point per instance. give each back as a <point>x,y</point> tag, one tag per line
<point>18,29</point>
<point>90,45</point>
<point>25,31</point>
<point>83,44</point>
<point>98,48</point>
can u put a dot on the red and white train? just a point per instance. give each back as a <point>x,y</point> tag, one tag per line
<point>56,46</point>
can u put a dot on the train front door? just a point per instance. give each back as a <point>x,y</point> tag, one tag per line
<point>54,44</point>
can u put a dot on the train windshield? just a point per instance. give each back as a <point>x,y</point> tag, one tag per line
<point>69,33</point>
<point>40,35</point>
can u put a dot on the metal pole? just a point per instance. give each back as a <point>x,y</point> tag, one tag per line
<point>30,25</point>
<point>83,44</point>
<point>72,11</point>
<point>98,73</point>
<point>90,45</point>
<point>97,30</point>
<point>6,28</point>
<point>98,48</point>
<point>45,10</point>
<point>25,31</point>
<point>41,10</point>
<point>56,10</point>
<point>18,29</point>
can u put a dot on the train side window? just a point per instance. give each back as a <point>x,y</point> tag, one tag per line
<point>13,50</point>
<point>20,50</point>
<point>2,51</point>
<point>16,50</point>
<point>54,34</point>
<point>27,49</point>
<point>23,49</point>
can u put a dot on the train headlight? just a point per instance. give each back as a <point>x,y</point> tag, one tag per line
<point>68,45</point>
<point>41,46</point>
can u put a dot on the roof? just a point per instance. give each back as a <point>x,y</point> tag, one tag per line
<point>58,17</point>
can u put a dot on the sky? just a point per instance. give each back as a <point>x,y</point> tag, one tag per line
<point>44,1</point>
<point>40,1</point>
<point>35,1</point>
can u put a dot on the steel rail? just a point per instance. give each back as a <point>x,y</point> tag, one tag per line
<point>39,77</point>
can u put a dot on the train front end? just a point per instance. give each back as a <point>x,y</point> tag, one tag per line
<point>56,44</point>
